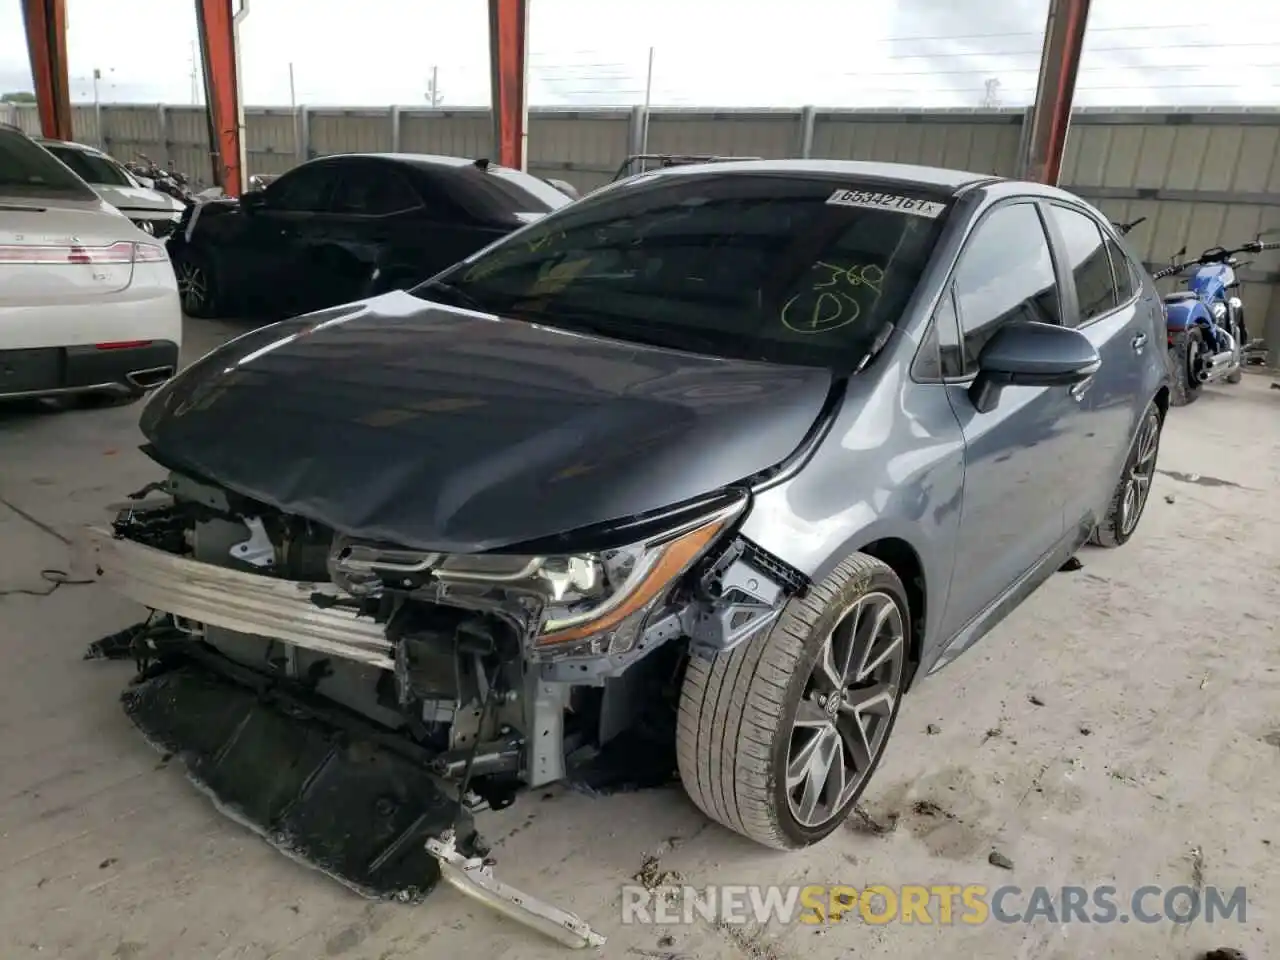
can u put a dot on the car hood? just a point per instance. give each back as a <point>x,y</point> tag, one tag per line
<point>137,198</point>
<point>413,423</point>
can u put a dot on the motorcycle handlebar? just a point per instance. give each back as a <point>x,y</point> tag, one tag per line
<point>1217,255</point>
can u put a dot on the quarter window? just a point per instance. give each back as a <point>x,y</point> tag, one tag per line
<point>1005,274</point>
<point>1086,252</point>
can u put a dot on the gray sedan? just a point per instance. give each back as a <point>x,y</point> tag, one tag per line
<point>715,461</point>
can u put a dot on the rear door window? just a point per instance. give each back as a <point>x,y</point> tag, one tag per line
<point>1126,273</point>
<point>1086,252</point>
<point>372,190</point>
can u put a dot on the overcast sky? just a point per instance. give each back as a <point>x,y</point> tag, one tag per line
<point>731,53</point>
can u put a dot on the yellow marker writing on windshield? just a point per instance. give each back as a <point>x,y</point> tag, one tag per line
<point>830,303</point>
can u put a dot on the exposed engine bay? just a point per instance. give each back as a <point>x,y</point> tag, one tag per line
<point>467,676</point>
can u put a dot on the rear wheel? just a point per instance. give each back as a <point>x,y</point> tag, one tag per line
<point>778,738</point>
<point>1130,498</point>
<point>1186,356</point>
<point>197,285</point>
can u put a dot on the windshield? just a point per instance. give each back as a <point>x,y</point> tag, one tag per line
<point>749,266</point>
<point>26,169</point>
<point>91,167</point>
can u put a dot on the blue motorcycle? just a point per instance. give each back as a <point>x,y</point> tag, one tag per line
<point>1208,340</point>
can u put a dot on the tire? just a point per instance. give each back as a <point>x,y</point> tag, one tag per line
<point>1186,345</point>
<point>737,735</point>
<point>1123,514</point>
<point>197,284</point>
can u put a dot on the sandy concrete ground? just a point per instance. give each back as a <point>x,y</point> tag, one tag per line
<point>1154,733</point>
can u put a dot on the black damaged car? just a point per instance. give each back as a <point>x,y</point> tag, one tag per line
<point>343,227</point>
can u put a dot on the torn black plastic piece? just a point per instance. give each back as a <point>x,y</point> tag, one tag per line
<point>318,783</point>
<point>117,646</point>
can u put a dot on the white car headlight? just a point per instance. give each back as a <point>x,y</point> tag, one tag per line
<point>591,603</point>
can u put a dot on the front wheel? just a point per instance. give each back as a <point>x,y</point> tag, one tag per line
<point>1131,494</point>
<point>778,738</point>
<point>1186,356</point>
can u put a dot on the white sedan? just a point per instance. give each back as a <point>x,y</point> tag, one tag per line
<point>88,302</point>
<point>151,211</point>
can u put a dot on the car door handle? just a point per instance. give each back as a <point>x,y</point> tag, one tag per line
<point>1139,342</point>
<point>1080,389</point>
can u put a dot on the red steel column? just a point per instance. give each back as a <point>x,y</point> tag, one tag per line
<point>1051,114</point>
<point>46,22</point>
<point>508,62</point>
<point>222,97</point>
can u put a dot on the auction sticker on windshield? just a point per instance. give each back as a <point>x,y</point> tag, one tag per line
<point>872,200</point>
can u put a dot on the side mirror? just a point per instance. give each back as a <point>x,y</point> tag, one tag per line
<point>1026,354</point>
<point>253,200</point>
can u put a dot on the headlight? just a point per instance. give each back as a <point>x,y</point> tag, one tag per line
<point>1219,310</point>
<point>591,603</point>
<point>570,605</point>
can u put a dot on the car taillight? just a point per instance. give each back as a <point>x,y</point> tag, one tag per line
<point>125,251</point>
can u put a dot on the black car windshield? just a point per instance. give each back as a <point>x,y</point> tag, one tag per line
<point>27,169</point>
<point>91,167</point>
<point>757,266</point>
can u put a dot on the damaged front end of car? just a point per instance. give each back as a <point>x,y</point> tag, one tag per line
<point>357,703</point>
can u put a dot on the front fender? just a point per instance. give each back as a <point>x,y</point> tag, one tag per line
<point>890,468</point>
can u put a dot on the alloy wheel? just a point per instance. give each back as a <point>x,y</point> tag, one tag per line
<point>1141,473</point>
<point>193,286</point>
<point>846,710</point>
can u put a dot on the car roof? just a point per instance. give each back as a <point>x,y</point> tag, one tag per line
<point>907,174</point>
<point>412,159</point>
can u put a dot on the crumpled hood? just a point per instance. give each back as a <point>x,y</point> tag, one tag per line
<point>410,422</point>
<point>137,198</point>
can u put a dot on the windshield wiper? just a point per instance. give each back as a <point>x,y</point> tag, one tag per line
<point>460,296</point>
<point>622,327</point>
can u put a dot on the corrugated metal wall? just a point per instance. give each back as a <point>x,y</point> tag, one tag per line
<point>1200,177</point>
